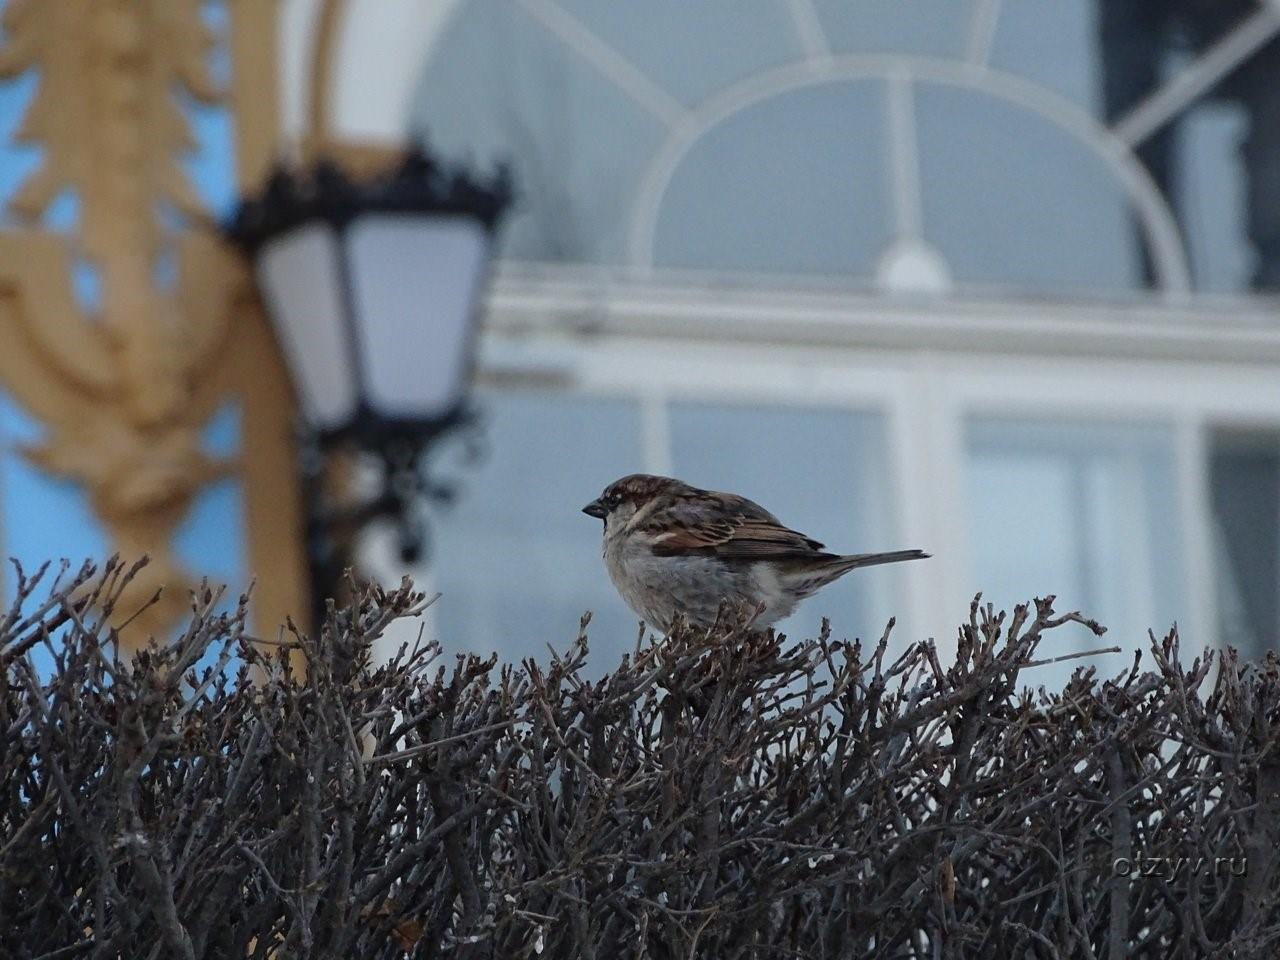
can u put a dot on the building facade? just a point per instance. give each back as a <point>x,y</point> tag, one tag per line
<point>985,278</point>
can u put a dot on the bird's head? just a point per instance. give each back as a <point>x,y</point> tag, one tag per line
<point>624,498</point>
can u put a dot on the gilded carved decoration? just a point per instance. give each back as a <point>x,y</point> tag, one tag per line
<point>125,390</point>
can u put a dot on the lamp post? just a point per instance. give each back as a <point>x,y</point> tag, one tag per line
<point>373,291</point>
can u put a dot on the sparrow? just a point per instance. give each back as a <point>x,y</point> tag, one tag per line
<point>673,548</point>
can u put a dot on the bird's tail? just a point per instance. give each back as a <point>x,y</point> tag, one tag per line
<point>813,575</point>
<point>854,560</point>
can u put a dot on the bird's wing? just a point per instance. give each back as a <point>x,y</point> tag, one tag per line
<point>728,526</point>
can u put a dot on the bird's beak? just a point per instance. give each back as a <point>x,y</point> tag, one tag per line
<point>595,509</point>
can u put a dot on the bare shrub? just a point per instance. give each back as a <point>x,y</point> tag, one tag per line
<point>720,794</point>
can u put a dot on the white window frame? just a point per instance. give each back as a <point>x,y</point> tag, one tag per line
<point>927,366</point>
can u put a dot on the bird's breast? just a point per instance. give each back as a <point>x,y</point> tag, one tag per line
<point>658,587</point>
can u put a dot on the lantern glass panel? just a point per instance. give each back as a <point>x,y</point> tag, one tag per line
<point>300,277</point>
<point>415,279</point>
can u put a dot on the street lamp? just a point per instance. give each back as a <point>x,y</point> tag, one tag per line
<point>373,289</point>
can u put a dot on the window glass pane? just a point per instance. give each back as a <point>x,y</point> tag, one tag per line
<point>700,47</point>
<point>501,86</point>
<point>515,559</point>
<point>1212,199</point>
<point>1244,476</point>
<point>813,469</point>
<point>746,199</point>
<point>897,26</point>
<point>1085,512</point>
<point>1011,199</point>
<point>1054,44</point>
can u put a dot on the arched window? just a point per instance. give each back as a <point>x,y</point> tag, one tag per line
<point>863,142</point>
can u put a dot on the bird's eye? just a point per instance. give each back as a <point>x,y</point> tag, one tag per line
<point>613,499</point>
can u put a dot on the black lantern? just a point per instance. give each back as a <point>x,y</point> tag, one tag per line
<point>373,291</point>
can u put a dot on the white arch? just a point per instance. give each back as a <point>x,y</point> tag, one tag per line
<point>383,43</point>
<point>1156,219</point>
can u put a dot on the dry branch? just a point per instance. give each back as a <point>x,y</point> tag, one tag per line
<point>720,794</point>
